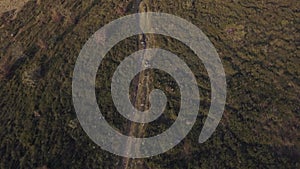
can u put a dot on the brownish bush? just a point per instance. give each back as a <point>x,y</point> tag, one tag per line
<point>56,16</point>
<point>42,44</point>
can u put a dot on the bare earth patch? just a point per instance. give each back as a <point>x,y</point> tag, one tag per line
<point>8,5</point>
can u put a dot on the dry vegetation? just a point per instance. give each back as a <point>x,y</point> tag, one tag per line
<point>8,5</point>
<point>256,40</point>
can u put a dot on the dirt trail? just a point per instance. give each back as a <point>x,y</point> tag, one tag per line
<point>142,91</point>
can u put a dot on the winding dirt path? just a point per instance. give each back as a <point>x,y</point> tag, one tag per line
<point>142,92</point>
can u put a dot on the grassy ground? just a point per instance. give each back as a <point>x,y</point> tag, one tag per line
<point>258,42</point>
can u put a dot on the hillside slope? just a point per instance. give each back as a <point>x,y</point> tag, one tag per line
<point>258,43</point>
